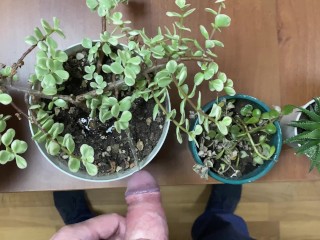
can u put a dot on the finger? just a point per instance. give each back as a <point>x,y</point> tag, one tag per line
<point>108,226</point>
<point>145,218</point>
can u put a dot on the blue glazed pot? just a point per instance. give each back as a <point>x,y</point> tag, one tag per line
<point>261,170</point>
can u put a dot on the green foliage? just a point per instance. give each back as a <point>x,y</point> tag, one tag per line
<point>308,138</point>
<point>230,138</point>
<point>13,147</point>
<point>143,66</point>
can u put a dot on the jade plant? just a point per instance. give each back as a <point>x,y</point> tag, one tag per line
<point>243,139</point>
<point>308,137</point>
<point>146,65</point>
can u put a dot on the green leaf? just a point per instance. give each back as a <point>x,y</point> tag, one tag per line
<point>178,134</point>
<point>53,148</point>
<point>287,109</point>
<point>18,146</point>
<point>106,49</point>
<point>198,78</point>
<point>8,136</point>
<point>209,10</point>
<point>62,74</point>
<point>60,103</point>
<point>216,111</point>
<point>115,110</point>
<point>208,74</point>
<point>56,23</point>
<point>198,130</point>
<point>86,43</point>
<point>3,125</point>
<point>227,121</point>
<point>50,91</point>
<point>222,20</point>
<point>164,82</point>
<point>134,61</point>
<point>104,115</point>
<point>171,66</point>
<point>92,169</point>
<point>155,111</point>
<point>51,43</point>
<point>216,85</point>
<point>222,76</point>
<point>258,160</point>
<point>246,110</point>
<point>46,26</point>
<point>173,14</point>
<point>218,43</point>
<point>31,40</point>
<point>21,162</point>
<point>125,104</point>
<point>129,81</point>
<point>209,43</point>
<point>5,99</point>
<point>311,115</point>
<point>204,32</point>
<point>116,68</point>
<point>126,116</point>
<point>68,142</point>
<point>38,33</point>
<point>92,4</point>
<point>187,13</point>
<point>87,153</point>
<point>61,56</point>
<point>180,3</point>
<point>222,128</point>
<point>5,157</point>
<point>230,91</point>
<point>74,164</point>
<point>252,120</point>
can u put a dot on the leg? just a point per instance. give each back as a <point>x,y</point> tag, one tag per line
<point>72,206</point>
<point>218,222</point>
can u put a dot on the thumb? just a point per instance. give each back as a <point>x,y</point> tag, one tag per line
<point>145,218</point>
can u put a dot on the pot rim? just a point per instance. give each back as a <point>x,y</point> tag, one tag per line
<point>270,162</point>
<point>106,178</point>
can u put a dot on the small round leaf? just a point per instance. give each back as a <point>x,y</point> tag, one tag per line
<point>19,146</point>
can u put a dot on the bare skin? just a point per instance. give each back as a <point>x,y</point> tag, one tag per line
<point>145,218</point>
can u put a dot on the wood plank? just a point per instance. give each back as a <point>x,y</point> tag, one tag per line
<point>269,214</point>
<point>297,230</point>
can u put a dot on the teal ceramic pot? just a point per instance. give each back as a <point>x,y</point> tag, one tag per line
<point>261,170</point>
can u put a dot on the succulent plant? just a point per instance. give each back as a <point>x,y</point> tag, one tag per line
<point>308,138</point>
<point>147,65</point>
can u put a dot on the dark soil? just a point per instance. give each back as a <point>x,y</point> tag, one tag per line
<point>246,165</point>
<point>112,151</point>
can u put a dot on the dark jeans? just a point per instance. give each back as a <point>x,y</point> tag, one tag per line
<point>217,225</point>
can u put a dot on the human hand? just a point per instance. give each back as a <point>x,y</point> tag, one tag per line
<point>145,218</point>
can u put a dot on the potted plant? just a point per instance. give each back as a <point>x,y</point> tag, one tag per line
<point>101,110</point>
<point>301,131</point>
<point>243,143</point>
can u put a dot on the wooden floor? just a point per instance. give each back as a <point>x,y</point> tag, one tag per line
<point>272,210</point>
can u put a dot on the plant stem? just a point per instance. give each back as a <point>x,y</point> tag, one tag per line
<point>132,147</point>
<point>214,29</point>
<point>200,111</point>
<point>252,142</point>
<point>19,110</point>
<point>116,91</point>
<point>42,95</point>
<point>163,109</point>
<point>20,62</point>
<point>93,93</point>
<point>103,24</point>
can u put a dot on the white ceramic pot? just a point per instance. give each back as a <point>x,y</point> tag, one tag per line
<point>109,177</point>
<point>288,131</point>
